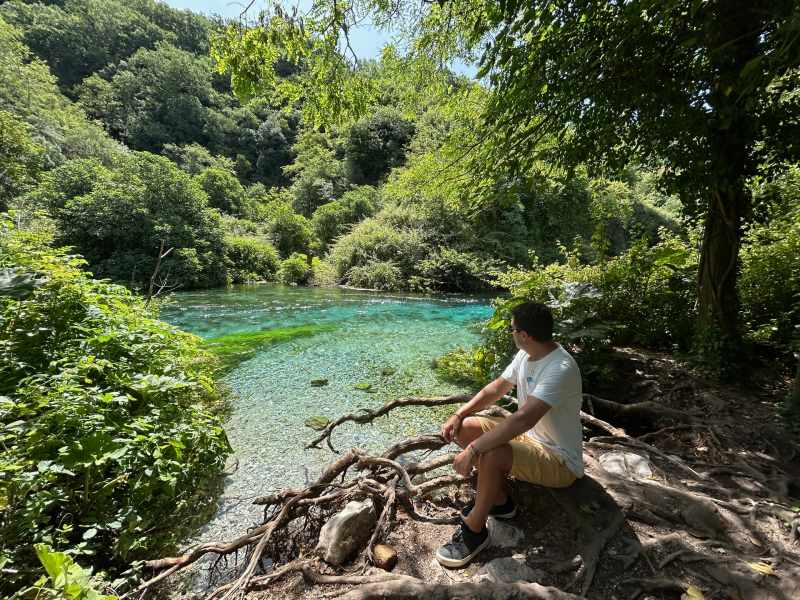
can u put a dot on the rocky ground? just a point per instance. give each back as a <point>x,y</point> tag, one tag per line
<point>692,491</point>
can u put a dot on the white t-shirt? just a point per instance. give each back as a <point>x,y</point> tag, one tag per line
<point>556,380</point>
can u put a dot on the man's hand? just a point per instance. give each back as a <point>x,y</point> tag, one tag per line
<point>462,464</point>
<point>451,427</point>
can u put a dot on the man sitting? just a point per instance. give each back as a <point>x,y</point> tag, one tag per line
<point>540,443</point>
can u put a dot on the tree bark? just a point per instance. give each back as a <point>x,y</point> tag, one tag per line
<point>719,264</point>
<point>733,42</point>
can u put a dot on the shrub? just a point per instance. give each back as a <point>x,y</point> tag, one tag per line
<point>295,270</point>
<point>462,367</point>
<point>450,270</point>
<point>372,241</point>
<point>289,231</point>
<point>20,158</point>
<point>250,259</point>
<point>223,190</point>
<point>323,273</point>
<point>769,285</point>
<point>376,275</point>
<point>108,435</point>
<point>334,218</point>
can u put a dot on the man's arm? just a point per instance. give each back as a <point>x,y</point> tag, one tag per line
<point>490,394</point>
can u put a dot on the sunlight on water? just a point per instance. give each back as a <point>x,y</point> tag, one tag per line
<point>370,334</point>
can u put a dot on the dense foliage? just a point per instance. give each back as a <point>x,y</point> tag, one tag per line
<point>107,428</point>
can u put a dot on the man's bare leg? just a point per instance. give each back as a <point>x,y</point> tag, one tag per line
<point>493,468</point>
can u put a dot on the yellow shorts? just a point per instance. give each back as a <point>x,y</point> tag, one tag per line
<point>533,462</point>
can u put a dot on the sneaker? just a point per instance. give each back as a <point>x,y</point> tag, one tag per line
<point>462,547</point>
<point>507,510</point>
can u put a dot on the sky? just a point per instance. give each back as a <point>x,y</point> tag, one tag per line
<point>366,40</point>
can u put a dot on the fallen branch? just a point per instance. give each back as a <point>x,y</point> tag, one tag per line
<point>367,416</point>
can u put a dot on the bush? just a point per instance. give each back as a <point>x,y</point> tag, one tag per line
<point>323,273</point>
<point>376,275</point>
<point>250,259</point>
<point>20,158</point>
<point>295,270</point>
<point>108,435</point>
<point>289,231</point>
<point>450,270</point>
<point>71,179</point>
<point>374,242</point>
<point>335,218</point>
<point>462,367</point>
<point>223,190</point>
<point>769,285</point>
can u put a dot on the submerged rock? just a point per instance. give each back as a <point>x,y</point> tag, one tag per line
<point>346,532</point>
<point>319,382</point>
<point>317,423</point>
<point>387,371</point>
<point>364,387</point>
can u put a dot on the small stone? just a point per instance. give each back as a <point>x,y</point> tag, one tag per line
<point>317,423</point>
<point>385,557</point>
<point>319,382</point>
<point>364,387</point>
<point>346,532</point>
<point>387,371</point>
<point>505,535</point>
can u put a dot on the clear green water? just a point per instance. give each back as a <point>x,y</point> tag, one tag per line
<point>366,334</point>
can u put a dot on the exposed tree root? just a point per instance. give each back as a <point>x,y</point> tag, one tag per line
<point>367,416</point>
<point>405,590</point>
<point>646,411</point>
<point>719,533</point>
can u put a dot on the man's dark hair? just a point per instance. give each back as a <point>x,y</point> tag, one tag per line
<point>534,319</point>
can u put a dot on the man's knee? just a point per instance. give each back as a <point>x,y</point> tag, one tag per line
<point>500,458</point>
<point>469,431</point>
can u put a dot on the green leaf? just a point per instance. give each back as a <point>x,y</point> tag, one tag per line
<point>54,563</point>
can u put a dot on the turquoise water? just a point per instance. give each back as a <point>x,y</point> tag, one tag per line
<point>372,333</point>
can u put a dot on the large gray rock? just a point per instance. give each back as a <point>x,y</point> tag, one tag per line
<point>504,535</point>
<point>508,570</point>
<point>346,532</point>
<point>626,464</point>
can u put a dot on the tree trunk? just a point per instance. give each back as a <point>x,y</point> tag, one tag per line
<point>733,42</point>
<point>719,263</point>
